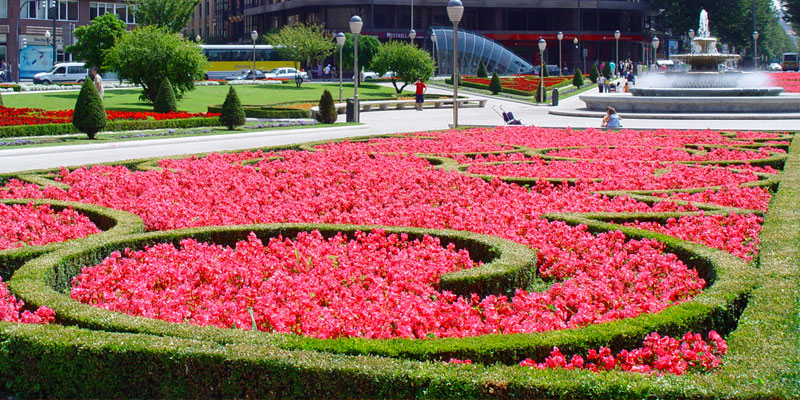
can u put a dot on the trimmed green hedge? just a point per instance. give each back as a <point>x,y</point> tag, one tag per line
<point>111,126</point>
<point>256,111</point>
<point>112,222</point>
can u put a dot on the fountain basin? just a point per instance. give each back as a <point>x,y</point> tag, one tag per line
<point>623,102</point>
<point>707,92</point>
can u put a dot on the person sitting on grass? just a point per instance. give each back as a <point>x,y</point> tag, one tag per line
<point>611,119</point>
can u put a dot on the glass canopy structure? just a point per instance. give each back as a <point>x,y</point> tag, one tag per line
<point>472,49</point>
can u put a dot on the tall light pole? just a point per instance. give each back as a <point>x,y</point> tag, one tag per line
<point>560,36</point>
<point>580,39</point>
<point>412,33</point>
<point>433,50</point>
<point>53,4</point>
<point>755,50</point>
<point>254,36</point>
<point>655,43</point>
<point>455,10</point>
<point>575,41</point>
<point>616,38</point>
<point>355,28</point>
<point>47,37</point>
<point>340,39</point>
<point>540,93</point>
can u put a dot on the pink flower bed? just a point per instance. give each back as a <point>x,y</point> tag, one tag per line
<point>377,286</point>
<point>658,355</point>
<point>33,225</point>
<point>662,154</point>
<point>11,310</point>
<point>787,80</point>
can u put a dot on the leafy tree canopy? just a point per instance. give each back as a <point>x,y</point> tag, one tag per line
<point>147,55</point>
<point>94,40</point>
<point>368,47</point>
<point>170,14</point>
<point>407,61</point>
<point>307,43</point>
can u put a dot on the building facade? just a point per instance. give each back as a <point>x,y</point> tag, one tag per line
<point>515,24</point>
<point>29,27</point>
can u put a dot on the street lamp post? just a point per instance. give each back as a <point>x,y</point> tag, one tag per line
<point>575,42</point>
<point>540,92</point>
<point>655,43</point>
<point>560,36</point>
<point>455,10</point>
<point>755,50</point>
<point>433,51</point>
<point>340,39</point>
<point>198,38</point>
<point>355,28</point>
<point>616,38</point>
<point>254,36</point>
<point>54,5</point>
<point>412,34</point>
<point>580,39</point>
<point>47,37</point>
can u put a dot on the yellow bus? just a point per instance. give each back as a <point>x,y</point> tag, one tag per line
<point>226,59</point>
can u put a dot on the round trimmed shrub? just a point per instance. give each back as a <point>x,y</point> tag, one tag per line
<point>165,100</point>
<point>90,115</point>
<point>232,111</point>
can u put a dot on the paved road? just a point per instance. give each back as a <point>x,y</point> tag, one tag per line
<point>376,122</point>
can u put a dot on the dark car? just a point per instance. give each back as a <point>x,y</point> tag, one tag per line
<point>246,74</point>
<point>552,70</point>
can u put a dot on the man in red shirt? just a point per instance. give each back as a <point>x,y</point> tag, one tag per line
<point>420,97</point>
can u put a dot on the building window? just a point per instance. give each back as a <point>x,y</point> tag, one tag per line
<point>123,12</point>
<point>3,10</point>
<point>65,10</point>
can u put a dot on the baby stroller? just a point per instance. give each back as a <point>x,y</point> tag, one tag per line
<point>508,116</point>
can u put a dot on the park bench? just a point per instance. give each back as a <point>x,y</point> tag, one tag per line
<point>383,105</point>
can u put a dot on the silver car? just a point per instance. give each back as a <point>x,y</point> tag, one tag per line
<point>286,73</point>
<point>246,74</point>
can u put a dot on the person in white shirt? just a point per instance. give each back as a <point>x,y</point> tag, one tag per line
<point>98,81</point>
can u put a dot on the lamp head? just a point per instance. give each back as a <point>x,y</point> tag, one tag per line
<point>47,34</point>
<point>542,44</point>
<point>412,34</point>
<point>617,34</point>
<point>691,34</point>
<point>755,35</point>
<point>656,42</point>
<point>340,39</point>
<point>254,35</point>
<point>197,38</point>
<point>433,37</point>
<point>356,24</point>
<point>560,35</point>
<point>575,41</point>
<point>455,10</point>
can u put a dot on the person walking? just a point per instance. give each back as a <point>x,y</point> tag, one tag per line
<point>601,83</point>
<point>98,81</point>
<point>420,94</point>
<point>327,72</point>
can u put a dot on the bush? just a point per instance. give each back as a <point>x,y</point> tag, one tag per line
<point>165,100</point>
<point>256,111</point>
<point>327,110</point>
<point>232,111</point>
<point>577,80</point>
<point>594,73</point>
<point>482,73</point>
<point>495,86</point>
<point>607,70</point>
<point>89,116</point>
<point>119,125</point>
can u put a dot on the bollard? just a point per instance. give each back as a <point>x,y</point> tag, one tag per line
<point>351,110</point>
<point>554,98</point>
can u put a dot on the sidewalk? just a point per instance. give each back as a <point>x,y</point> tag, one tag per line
<point>375,123</point>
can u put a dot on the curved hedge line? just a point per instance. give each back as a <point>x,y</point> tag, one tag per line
<point>113,222</point>
<point>44,280</point>
<point>111,126</point>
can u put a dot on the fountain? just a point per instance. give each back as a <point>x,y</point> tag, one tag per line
<point>702,89</point>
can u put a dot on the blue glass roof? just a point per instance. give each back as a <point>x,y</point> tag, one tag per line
<point>472,49</point>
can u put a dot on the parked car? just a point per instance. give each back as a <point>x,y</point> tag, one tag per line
<point>369,75</point>
<point>246,74</point>
<point>62,72</point>
<point>775,67</point>
<point>285,73</point>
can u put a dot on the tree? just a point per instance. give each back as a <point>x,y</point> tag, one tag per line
<point>577,80</point>
<point>495,86</point>
<point>232,114</point>
<point>482,73</point>
<point>94,40</point>
<point>607,70</point>
<point>165,100</point>
<point>147,55</point>
<point>327,110</point>
<point>594,73</point>
<point>407,61</point>
<point>368,47</point>
<point>309,43</point>
<point>172,15</point>
<point>89,116</point>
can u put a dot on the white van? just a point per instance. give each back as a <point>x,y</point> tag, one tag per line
<point>63,72</point>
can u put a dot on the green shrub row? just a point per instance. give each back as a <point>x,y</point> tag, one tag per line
<point>112,222</point>
<point>256,111</point>
<point>507,90</point>
<point>111,126</point>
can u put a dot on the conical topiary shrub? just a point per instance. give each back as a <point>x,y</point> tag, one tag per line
<point>577,80</point>
<point>232,114</point>
<point>545,72</point>
<point>482,73</point>
<point>327,110</point>
<point>594,73</point>
<point>89,116</point>
<point>607,71</point>
<point>495,86</point>
<point>165,99</point>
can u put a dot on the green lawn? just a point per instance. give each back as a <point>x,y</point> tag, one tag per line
<point>198,99</point>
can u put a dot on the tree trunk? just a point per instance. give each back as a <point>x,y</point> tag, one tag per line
<point>394,83</point>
